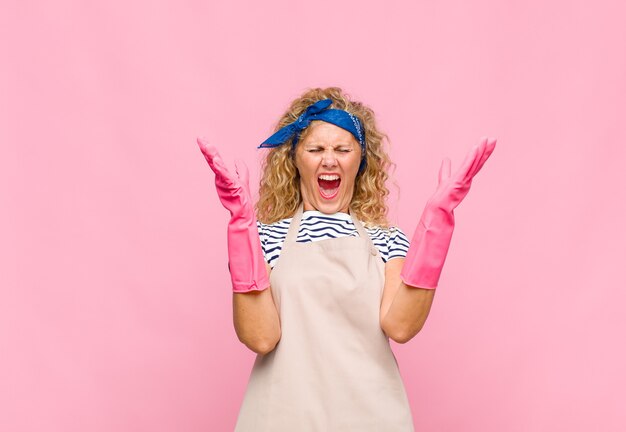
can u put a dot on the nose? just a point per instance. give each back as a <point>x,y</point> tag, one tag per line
<point>329,158</point>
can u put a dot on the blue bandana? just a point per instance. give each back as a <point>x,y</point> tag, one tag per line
<point>319,111</point>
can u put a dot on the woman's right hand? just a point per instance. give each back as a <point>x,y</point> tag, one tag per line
<point>232,190</point>
<point>245,255</point>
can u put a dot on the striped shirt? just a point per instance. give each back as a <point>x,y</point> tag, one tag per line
<point>391,242</point>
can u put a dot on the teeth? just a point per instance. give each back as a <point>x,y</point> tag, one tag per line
<point>329,177</point>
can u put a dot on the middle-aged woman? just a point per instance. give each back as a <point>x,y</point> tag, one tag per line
<point>341,280</point>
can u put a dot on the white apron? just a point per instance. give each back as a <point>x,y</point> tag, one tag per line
<point>333,369</point>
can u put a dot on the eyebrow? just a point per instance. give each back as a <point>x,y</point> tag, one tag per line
<point>313,144</point>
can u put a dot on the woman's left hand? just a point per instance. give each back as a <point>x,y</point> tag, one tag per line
<point>451,190</point>
<point>431,240</point>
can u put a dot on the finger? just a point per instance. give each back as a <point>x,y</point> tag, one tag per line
<point>223,177</point>
<point>213,157</point>
<point>444,170</point>
<point>204,145</point>
<point>462,174</point>
<point>242,172</point>
<point>489,147</point>
<point>207,150</point>
<point>481,146</point>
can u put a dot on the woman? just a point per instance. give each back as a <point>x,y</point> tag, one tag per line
<point>341,281</point>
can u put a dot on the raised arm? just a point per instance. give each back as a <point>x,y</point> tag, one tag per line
<point>255,315</point>
<point>407,303</point>
<point>411,306</point>
<point>256,319</point>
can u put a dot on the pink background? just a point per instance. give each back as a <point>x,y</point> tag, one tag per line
<point>115,301</point>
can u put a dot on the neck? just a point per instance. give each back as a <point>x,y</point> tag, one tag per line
<point>308,207</point>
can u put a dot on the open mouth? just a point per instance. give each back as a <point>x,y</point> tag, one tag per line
<point>328,185</point>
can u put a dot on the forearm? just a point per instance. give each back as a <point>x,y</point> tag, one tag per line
<point>403,308</point>
<point>407,312</point>
<point>421,269</point>
<point>256,320</point>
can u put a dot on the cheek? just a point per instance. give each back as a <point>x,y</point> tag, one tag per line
<point>302,164</point>
<point>355,162</point>
<point>307,169</point>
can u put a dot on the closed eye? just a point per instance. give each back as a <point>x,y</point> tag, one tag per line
<point>341,150</point>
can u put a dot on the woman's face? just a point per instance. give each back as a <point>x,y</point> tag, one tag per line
<point>328,160</point>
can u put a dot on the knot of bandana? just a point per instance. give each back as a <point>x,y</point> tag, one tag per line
<point>319,111</point>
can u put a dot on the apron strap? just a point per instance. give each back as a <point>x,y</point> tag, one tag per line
<point>292,233</point>
<point>358,225</point>
<point>361,230</point>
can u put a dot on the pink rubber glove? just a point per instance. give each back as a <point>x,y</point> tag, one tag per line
<point>245,256</point>
<point>431,240</point>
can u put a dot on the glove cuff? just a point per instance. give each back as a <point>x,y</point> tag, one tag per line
<point>246,262</point>
<point>429,247</point>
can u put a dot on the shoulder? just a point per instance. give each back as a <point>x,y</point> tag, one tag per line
<point>272,237</point>
<point>277,224</point>
<point>273,230</point>
<point>392,242</point>
<point>391,233</point>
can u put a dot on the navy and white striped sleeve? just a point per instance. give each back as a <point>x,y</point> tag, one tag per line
<point>263,237</point>
<point>391,242</point>
<point>272,239</point>
<point>398,243</point>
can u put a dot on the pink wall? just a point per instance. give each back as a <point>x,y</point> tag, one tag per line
<point>115,303</point>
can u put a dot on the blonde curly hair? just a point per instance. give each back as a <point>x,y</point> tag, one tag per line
<point>279,191</point>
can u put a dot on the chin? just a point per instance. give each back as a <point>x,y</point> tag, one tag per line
<point>330,207</point>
